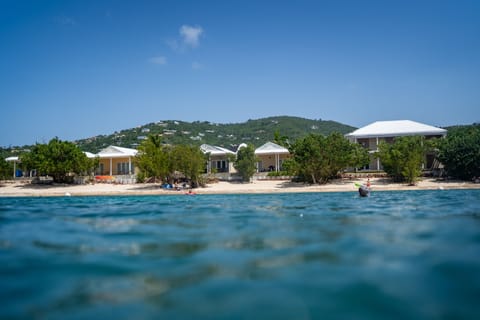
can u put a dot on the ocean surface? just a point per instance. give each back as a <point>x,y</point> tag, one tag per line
<point>394,255</point>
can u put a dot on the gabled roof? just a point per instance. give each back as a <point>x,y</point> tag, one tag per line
<point>117,152</point>
<point>89,154</point>
<point>214,150</point>
<point>271,148</point>
<point>396,128</point>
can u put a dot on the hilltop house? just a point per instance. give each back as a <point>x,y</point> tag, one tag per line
<point>371,135</point>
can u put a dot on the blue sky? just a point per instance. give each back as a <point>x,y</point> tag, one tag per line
<point>76,69</point>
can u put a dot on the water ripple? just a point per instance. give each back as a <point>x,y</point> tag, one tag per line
<point>411,254</point>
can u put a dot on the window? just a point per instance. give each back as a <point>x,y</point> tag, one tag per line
<point>122,168</point>
<point>101,168</point>
<point>220,165</point>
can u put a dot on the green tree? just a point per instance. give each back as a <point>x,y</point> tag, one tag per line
<point>307,157</point>
<point>402,160</point>
<point>359,156</point>
<point>317,159</point>
<point>59,159</point>
<point>152,159</point>
<point>460,152</point>
<point>163,163</point>
<point>246,162</point>
<point>188,160</point>
<point>340,154</point>
<point>6,170</point>
<point>280,140</point>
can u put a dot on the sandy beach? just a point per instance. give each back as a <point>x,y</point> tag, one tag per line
<point>22,189</point>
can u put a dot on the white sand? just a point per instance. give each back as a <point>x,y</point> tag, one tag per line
<point>8,189</point>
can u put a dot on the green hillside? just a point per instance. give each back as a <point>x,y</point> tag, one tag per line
<point>229,136</point>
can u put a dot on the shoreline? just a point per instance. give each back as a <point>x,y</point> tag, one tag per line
<point>22,189</point>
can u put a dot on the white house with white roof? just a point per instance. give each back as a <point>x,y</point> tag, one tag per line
<point>271,157</point>
<point>371,135</point>
<point>218,158</point>
<point>15,160</point>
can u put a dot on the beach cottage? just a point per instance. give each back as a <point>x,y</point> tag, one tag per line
<point>16,172</point>
<point>371,135</point>
<point>219,159</point>
<point>271,156</point>
<point>114,161</point>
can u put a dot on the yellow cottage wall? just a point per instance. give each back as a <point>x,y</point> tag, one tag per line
<point>115,161</point>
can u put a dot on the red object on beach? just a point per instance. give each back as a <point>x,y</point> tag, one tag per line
<point>104,178</point>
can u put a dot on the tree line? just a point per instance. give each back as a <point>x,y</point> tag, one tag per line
<point>318,159</point>
<point>61,160</point>
<point>314,158</point>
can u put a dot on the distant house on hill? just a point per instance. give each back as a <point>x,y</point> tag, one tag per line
<point>271,157</point>
<point>371,135</point>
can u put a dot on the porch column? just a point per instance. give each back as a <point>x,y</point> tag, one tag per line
<point>277,162</point>
<point>14,169</point>
<point>129,165</point>
<point>111,166</point>
<point>378,159</point>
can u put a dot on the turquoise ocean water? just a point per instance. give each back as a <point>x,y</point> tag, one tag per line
<point>395,255</point>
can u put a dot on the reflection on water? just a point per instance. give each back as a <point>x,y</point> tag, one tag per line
<point>285,256</point>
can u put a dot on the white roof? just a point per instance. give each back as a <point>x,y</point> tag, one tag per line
<point>12,159</point>
<point>396,128</point>
<point>117,152</point>
<point>214,150</point>
<point>89,154</point>
<point>242,145</point>
<point>271,148</point>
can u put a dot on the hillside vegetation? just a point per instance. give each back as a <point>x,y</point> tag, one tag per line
<point>255,132</point>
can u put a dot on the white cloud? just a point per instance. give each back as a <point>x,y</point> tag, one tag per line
<point>160,60</point>
<point>191,35</point>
